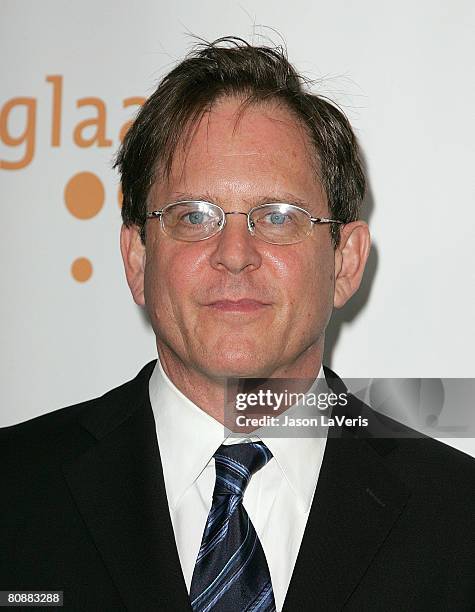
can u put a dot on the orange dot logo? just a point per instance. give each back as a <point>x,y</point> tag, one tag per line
<point>84,195</point>
<point>81,269</point>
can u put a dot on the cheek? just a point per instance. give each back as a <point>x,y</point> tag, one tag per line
<point>308,278</point>
<point>171,276</point>
<point>303,273</point>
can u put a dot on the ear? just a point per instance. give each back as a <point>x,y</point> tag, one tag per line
<point>350,260</point>
<point>133,256</point>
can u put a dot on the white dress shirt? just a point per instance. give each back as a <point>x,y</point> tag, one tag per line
<point>277,499</point>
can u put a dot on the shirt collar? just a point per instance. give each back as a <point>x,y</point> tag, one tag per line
<point>188,437</point>
<point>181,425</point>
<point>300,458</point>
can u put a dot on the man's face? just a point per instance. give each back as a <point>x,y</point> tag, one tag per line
<point>194,291</point>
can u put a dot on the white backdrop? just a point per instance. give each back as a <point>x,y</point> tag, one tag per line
<point>402,72</point>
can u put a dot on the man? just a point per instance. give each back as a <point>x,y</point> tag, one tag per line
<point>241,233</point>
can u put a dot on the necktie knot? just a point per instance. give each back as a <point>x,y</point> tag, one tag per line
<point>236,463</point>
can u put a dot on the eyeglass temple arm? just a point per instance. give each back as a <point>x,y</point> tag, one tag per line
<point>323,220</point>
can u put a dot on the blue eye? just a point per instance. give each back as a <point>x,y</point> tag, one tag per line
<point>277,218</point>
<point>195,218</point>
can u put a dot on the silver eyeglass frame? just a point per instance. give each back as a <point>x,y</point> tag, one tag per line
<point>158,214</point>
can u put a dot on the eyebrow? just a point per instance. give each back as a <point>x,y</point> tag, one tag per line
<point>284,197</point>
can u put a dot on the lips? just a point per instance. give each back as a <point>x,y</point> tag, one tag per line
<point>243,305</point>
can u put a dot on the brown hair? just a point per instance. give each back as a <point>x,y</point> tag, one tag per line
<point>231,67</point>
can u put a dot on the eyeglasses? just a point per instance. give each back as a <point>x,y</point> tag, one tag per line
<point>276,223</point>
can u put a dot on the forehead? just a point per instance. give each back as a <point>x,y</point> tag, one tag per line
<point>253,151</point>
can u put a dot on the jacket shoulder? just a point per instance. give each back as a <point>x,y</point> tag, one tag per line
<point>414,456</point>
<point>50,431</point>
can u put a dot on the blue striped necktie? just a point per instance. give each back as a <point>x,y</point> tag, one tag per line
<point>231,572</point>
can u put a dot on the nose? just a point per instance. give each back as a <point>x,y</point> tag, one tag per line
<point>236,250</point>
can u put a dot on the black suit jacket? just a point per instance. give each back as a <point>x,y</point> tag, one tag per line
<point>84,510</point>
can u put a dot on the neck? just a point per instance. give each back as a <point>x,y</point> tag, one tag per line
<point>208,392</point>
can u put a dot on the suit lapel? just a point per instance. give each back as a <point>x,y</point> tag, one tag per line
<point>356,503</point>
<point>119,489</point>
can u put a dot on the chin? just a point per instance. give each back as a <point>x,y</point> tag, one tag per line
<point>238,362</point>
